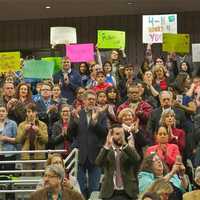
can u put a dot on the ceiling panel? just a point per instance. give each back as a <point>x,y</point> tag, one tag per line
<point>35,9</point>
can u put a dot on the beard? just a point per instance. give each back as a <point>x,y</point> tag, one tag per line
<point>117,143</point>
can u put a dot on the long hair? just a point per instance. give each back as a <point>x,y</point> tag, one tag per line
<point>29,93</point>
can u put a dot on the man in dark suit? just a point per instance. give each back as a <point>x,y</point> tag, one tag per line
<point>118,160</point>
<point>69,80</point>
<point>166,102</point>
<point>89,129</point>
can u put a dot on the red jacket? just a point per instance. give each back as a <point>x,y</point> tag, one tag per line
<point>101,87</point>
<point>180,138</point>
<point>143,110</point>
<point>169,157</point>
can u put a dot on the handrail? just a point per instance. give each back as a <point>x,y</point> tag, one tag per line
<point>22,171</point>
<point>22,161</point>
<point>18,191</point>
<point>19,181</point>
<point>33,151</point>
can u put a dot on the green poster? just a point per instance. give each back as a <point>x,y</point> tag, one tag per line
<point>38,69</point>
<point>111,39</point>
<point>179,43</point>
<point>57,62</point>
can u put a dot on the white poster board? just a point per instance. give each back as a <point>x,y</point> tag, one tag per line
<point>155,25</point>
<point>195,52</point>
<point>63,35</point>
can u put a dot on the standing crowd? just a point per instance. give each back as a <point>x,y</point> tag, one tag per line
<point>136,129</point>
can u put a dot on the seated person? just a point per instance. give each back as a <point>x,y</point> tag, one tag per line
<point>153,168</point>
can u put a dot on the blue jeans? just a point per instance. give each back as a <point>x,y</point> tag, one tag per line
<point>88,178</point>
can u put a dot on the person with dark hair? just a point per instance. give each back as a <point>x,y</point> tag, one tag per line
<point>32,135</point>
<point>89,128</point>
<point>59,130</point>
<point>24,94</point>
<point>84,72</point>
<point>118,160</point>
<point>78,102</point>
<point>128,79</point>
<point>166,151</point>
<point>107,68</point>
<point>101,82</point>
<point>8,132</point>
<point>69,79</point>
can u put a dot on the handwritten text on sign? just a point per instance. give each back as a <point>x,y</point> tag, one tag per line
<point>155,25</point>
<point>80,52</point>
<point>111,39</point>
<point>9,61</point>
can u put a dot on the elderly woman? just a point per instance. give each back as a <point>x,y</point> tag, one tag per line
<point>176,135</point>
<point>130,123</point>
<point>153,168</point>
<point>53,186</point>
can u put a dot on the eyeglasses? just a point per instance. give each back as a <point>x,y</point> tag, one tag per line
<point>45,89</point>
<point>49,176</point>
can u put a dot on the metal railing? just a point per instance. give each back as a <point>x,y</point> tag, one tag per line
<point>71,162</point>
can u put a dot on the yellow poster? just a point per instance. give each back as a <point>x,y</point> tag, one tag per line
<point>179,43</point>
<point>9,61</point>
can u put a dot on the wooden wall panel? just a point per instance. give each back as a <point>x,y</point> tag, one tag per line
<point>35,34</point>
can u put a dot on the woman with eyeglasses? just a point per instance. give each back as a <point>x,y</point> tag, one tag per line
<point>153,168</point>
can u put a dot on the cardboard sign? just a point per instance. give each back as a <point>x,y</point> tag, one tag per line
<point>9,61</point>
<point>40,69</point>
<point>111,39</point>
<point>62,35</point>
<point>155,25</point>
<point>80,52</point>
<point>179,43</point>
<point>196,52</point>
<point>57,62</point>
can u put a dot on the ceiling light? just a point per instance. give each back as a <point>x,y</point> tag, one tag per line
<point>131,3</point>
<point>47,7</point>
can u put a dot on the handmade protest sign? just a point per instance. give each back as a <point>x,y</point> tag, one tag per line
<point>107,39</point>
<point>40,69</point>
<point>62,35</point>
<point>179,43</point>
<point>9,61</point>
<point>80,52</point>
<point>57,62</point>
<point>155,25</point>
<point>196,52</point>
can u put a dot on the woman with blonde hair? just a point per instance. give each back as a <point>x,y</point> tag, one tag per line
<point>161,187</point>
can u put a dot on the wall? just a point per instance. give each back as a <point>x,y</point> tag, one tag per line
<point>34,34</point>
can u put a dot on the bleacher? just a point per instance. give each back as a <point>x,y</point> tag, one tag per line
<point>20,185</point>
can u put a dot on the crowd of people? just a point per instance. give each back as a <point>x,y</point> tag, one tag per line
<point>138,128</point>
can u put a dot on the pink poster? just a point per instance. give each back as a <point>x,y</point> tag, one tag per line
<point>80,52</point>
